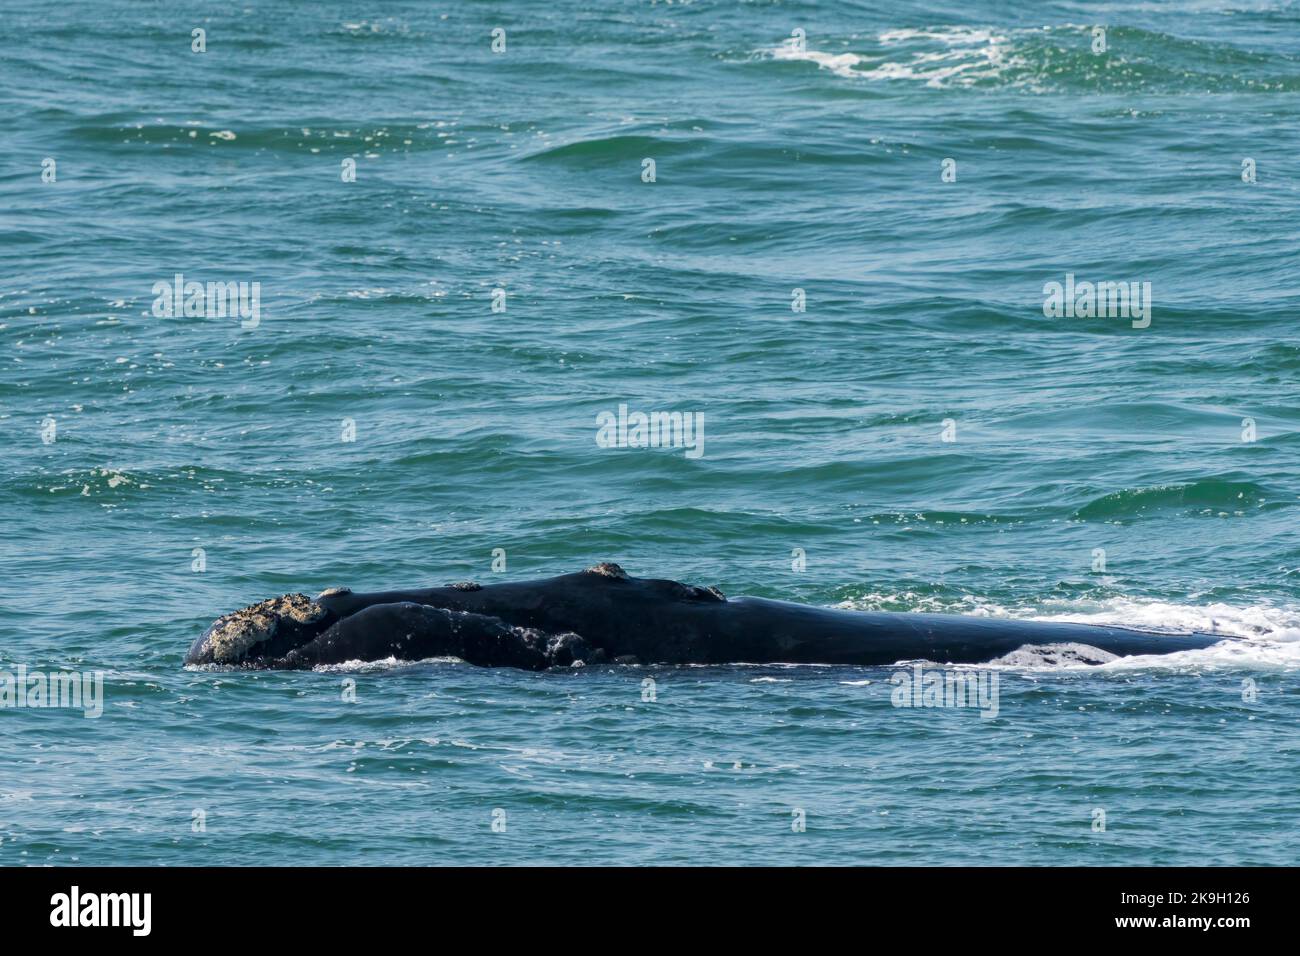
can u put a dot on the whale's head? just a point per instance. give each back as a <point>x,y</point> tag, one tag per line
<point>262,632</point>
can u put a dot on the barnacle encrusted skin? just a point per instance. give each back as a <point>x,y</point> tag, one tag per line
<point>231,636</point>
<point>608,569</point>
<point>466,586</point>
<point>332,592</point>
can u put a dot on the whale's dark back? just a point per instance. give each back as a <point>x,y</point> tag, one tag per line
<point>665,621</point>
<point>617,617</point>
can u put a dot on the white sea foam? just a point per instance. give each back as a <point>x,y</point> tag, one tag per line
<point>838,63</point>
<point>952,36</point>
<point>384,664</point>
<point>1265,621</point>
<point>942,56</point>
<point>1270,633</point>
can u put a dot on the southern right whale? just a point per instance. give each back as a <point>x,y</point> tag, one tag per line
<point>602,615</point>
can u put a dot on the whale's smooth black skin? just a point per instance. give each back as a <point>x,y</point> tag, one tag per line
<point>602,615</point>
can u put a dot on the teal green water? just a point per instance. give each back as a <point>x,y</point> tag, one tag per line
<point>1099,472</point>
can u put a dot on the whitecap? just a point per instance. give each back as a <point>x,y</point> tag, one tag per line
<point>841,64</point>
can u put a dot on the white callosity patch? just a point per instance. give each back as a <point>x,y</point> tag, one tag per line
<point>1055,655</point>
<point>232,635</point>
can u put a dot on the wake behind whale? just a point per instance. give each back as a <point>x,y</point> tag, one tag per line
<point>603,615</point>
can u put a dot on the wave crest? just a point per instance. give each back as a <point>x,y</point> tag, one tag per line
<point>1052,58</point>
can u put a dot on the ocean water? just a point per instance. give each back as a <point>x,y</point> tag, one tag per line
<point>380,424</point>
